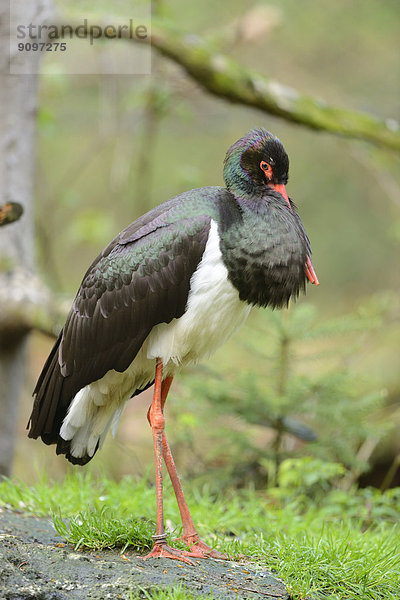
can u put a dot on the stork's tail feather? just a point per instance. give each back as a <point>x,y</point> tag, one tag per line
<point>45,418</point>
<point>74,417</point>
<point>64,447</point>
<point>51,406</point>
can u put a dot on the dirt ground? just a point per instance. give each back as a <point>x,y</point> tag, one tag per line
<point>35,564</point>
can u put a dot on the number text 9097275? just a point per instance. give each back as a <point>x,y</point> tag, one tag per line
<point>42,46</point>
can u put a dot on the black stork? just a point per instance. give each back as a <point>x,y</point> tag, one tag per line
<point>166,292</point>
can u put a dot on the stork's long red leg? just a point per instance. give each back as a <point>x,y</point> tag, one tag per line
<point>157,423</point>
<point>190,536</point>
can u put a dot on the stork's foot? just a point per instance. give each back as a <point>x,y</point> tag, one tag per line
<point>199,549</point>
<point>162,550</point>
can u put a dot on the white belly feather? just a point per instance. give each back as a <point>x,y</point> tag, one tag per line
<point>213,313</point>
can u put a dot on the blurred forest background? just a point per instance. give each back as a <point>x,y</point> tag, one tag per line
<point>309,396</point>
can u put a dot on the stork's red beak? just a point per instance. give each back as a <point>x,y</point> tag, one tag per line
<point>280,188</point>
<point>308,267</point>
<point>311,274</point>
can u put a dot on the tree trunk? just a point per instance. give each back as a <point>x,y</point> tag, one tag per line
<point>18,103</point>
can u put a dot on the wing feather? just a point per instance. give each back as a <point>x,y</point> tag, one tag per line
<point>140,280</point>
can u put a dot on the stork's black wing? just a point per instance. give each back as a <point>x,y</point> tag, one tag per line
<point>140,280</point>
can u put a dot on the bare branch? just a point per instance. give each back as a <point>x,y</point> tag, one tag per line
<point>225,78</point>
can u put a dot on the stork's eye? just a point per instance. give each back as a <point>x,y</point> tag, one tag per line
<point>264,166</point>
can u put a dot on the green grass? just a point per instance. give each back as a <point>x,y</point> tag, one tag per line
<point>178,592</point>
<point>100,529</point>
<point>345,545</point>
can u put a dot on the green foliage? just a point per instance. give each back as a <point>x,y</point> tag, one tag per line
<point>291,391</point>
<point>297,474</point>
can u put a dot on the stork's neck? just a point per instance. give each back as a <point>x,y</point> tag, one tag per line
<point>265,251</point>
<point>238,181</point>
